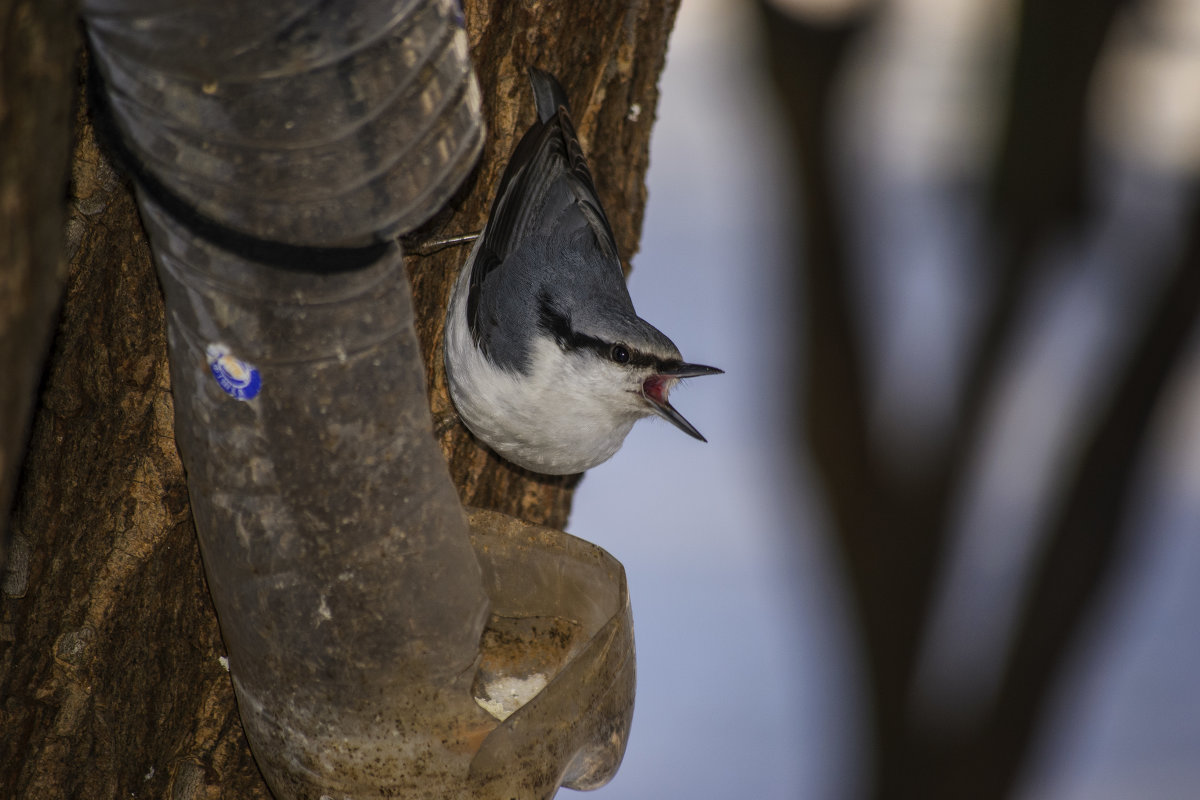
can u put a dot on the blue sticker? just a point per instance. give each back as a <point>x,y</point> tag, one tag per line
<point>239,379</point>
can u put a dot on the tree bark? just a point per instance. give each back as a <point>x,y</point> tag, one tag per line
<point>109,648</point>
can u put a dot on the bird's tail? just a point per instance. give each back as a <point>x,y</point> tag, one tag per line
<point>548,93</point>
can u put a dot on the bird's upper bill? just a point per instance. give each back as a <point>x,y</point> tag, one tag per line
<point>656,388</point>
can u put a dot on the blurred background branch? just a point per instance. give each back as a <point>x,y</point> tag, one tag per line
<point>896,500</point>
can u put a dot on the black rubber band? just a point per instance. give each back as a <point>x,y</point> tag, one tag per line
<point>293,257</point>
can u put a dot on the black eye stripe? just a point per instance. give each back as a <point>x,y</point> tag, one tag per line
<point>636,358</point>
<point>558,325</point>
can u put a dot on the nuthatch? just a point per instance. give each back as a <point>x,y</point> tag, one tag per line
<point>546,359</point>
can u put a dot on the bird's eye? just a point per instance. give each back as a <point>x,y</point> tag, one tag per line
<point>620,353</point>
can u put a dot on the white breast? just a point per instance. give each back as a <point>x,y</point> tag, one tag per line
<point>566,416</point>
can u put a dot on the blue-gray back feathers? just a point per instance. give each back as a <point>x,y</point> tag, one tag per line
<point>548,251</point>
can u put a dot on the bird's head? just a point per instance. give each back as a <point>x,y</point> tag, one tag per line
<point>625,363</point>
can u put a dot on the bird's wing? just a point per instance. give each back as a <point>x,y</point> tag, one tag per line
<point>546,177</point>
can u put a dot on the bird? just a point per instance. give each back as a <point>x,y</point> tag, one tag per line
<point>547,363</point>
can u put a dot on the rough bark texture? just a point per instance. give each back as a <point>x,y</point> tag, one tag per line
<point>109,648</point>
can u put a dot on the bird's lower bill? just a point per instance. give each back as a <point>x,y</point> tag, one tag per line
<point>655,389</point>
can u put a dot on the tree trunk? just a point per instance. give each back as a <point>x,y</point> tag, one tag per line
<point>37,50</point>
<point>109,648</point>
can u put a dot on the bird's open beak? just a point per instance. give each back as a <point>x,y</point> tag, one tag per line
<point>657,386</point>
